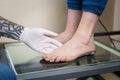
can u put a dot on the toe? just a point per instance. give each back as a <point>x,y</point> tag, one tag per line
<point>58,59</point>
<point>46,57</point>
<point>63,59</point>
<point>53,58</point>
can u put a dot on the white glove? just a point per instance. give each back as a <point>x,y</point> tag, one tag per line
<point>40,39</point>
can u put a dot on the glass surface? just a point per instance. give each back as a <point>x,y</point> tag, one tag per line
<point>25,60</point>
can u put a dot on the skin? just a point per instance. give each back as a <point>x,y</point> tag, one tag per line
<point>80,42</point>
<point>10,29</point>
<point>77,37</point>
<point>71,26</point>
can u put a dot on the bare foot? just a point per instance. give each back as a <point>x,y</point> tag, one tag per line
<point>63,37</point>
<point>70,51</point>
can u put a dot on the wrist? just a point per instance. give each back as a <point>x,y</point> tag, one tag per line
<point>24,34</point>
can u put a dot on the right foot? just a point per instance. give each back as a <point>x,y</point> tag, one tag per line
<point>70,51</point>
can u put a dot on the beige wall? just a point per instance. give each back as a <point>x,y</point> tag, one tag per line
<point>117,15</point>
<point>107,19</point>
<point>117,21</point>
<point>50,14</point>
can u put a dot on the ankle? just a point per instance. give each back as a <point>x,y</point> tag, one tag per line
<point>63,37</point>
<point>85,40</point>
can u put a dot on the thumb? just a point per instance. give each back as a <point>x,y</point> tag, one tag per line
<point>48,32</point>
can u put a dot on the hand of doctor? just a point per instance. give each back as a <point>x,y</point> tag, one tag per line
<point>40,39</point>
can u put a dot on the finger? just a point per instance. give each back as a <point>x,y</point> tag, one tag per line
<point>54,42</point>
<point>47,48</point>
<point>48,32</point>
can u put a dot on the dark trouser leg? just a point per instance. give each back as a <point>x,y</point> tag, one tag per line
<point>6,73</point>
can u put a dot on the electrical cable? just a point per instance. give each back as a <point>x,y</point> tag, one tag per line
<point>115,40</point>
<point>111,39</point>
<point>107,31</point>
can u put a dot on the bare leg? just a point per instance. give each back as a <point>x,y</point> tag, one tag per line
<point>71,26</point>
<point>80,44</point>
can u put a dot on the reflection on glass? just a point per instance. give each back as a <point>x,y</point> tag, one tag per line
<point>25,60</point>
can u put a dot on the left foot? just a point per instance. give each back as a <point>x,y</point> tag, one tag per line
<point>70,51</point>
<point>63,37</point>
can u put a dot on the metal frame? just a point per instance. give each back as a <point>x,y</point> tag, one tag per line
<point>98,34</point>
<point>77,71</point>
<point>73,72</point>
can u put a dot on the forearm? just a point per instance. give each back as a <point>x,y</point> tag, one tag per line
<point>10,29</point>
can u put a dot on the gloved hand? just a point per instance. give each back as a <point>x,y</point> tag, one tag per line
<point>40,39</point>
